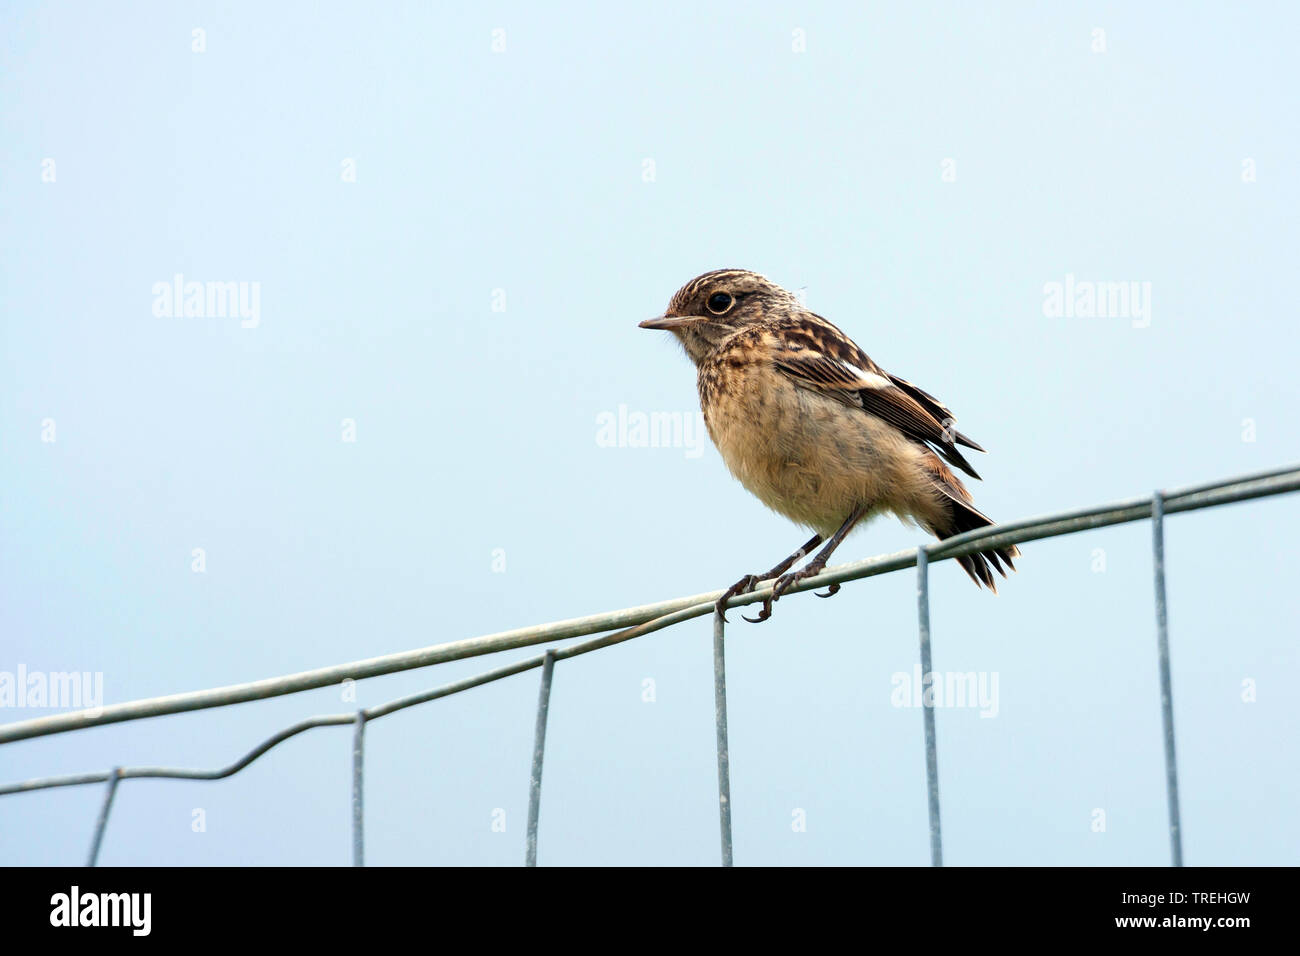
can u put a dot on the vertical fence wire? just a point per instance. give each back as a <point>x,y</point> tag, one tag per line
<point>720,718</point>
<point>1166,680</point>
<point>358,809</point>
<point>539,751</point>
<point>927,706</point>
<point>101,824</point>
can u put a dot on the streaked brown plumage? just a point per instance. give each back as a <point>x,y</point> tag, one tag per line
<point>814,428</point>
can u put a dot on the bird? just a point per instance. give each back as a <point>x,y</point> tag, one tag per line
<point>816,430</point>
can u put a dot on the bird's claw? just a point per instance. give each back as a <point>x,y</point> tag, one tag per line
<point>779,588</point>
<point>784,583</point>
<point>743,586</point>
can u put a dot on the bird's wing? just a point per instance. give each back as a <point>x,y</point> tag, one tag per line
<point>818,356</point>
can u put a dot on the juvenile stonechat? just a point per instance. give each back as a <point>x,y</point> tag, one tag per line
<point>815,429</point>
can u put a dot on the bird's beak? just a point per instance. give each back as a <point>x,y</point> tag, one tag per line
<point>670,321</point>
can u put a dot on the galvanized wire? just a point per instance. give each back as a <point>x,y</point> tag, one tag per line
<point>662,613</point>
<point>178,773</point>
<point>371,713</point>
<point>539,752</point>
<point>637,622</point>
<point>927,708</point>
<point>1166,680</point>
<point>101,823</point>
<point>720,725</point>
<point>358,810</point>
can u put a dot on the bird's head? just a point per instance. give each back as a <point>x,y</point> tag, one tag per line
<point>711,307</point>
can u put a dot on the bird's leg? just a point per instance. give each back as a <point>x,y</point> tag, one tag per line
<point>751,581</point>
<point>815,566</point>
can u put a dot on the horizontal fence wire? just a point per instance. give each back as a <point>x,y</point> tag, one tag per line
<point>632,623</point>
<point>638,621</point>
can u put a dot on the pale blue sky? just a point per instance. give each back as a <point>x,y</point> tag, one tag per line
<point>476,429</point>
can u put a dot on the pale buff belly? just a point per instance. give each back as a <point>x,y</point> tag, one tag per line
<point>812,458</point>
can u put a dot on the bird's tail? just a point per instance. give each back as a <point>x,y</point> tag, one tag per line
<point>956,514</point>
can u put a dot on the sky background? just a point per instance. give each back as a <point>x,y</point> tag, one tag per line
<point>525,170</point>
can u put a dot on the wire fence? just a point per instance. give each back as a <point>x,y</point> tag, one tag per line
<point>615,627</point>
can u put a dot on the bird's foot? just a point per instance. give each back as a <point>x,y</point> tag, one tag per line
<point>784,583</point>
<point>743,586</point>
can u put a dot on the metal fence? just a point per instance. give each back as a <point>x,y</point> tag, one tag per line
<point>629,623</point>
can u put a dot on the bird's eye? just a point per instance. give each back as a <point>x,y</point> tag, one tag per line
<point>719,302</point>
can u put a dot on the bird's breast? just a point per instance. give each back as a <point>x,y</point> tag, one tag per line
<point>803,453</point>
